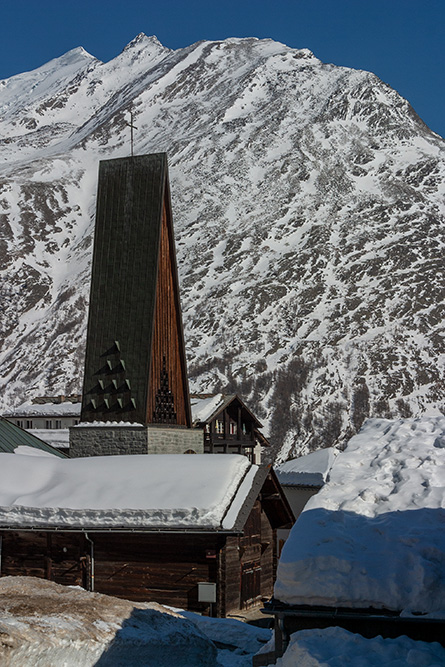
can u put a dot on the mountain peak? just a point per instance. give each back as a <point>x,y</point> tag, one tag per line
<point>143,40</point>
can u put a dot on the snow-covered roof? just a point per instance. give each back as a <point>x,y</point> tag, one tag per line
<point>309,470</point>
<point>204,408</point>
<point>140,491</point>
<point>373,536</point>
<point>28,409</point>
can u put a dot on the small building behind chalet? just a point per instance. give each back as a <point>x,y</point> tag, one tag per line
<point>303,477</point>
<point>48,418</point>
<point>229,427</point>
<point>196,532</point>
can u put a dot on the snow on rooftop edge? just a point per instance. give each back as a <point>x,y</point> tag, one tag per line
<point>129,491</point>
<point>28,409</point>
<point>309,470</point>
<point>374,535</point>
<point>203,408</point>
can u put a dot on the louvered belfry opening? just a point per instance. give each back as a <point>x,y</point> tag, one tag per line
<point>135,366</point>
<point>164,412</point>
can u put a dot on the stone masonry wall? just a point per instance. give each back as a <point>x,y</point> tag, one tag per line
<point>115,440</point>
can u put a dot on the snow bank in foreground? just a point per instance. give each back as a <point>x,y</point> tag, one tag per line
<point>374,535</point>
<point>335,647</point>
<point>237,642</point>
<point>43,624</point>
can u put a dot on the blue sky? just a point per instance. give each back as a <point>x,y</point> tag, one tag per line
<point>402,41</point>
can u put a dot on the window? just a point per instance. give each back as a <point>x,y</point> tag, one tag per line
<point>58,423</point>
<point>19,423</point>
<point>232,428</point>
<point>48,423</point>
<point>29,423</point>
<point>219,426</point>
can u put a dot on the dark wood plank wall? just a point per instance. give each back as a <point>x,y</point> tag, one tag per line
<point>249,563</point>
<point>268,559</point>
<point>136,566</point>
<point>153,567</point>
<point>167,334</point>
<point>60,557</point>
<point>162,568</point>
<point>231,577</point>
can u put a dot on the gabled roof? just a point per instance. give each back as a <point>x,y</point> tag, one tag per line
<point>198,493</point>
<point>207,407</point>
<point>12,436</point>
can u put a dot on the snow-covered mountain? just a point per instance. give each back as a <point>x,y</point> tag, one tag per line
<point>308,205</point>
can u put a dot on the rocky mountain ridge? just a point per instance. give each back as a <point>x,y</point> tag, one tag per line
<point>308,204</point>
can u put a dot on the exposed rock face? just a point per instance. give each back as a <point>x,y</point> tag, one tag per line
<point>309,215</point>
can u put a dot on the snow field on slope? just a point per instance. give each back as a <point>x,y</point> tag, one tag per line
<point>310,188</point>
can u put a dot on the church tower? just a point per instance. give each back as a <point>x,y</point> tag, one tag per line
<point>135,392</point>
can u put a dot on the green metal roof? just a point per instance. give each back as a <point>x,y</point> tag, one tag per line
<point>12,436</point>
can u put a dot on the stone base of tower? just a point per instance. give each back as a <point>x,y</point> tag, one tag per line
<point>112,439</point>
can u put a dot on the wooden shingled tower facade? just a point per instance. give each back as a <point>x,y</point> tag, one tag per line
<point>135,366</point>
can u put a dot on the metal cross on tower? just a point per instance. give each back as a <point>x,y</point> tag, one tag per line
<point>132,127</point>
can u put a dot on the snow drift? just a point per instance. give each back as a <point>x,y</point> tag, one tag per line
<point>374,535</point>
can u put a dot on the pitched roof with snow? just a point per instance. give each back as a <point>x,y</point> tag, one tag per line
<point>12,437</point>
<point>28,409</point>
<point>155,492</point>
<point>206,407</point>
<point>203,408</point>
<point>373,536</point>
<point>309,470</point>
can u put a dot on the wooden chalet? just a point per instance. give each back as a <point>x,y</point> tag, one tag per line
<point>201,534</point>
<point>228,424</point>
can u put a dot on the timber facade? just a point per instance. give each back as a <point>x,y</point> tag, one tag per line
<point>231,428</point>
<point>163,565</point>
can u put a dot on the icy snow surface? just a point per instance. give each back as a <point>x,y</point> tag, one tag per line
<point>43,624</point>
<point>335,647</point>
<point>24,450</point>
<point>309,470</point>
<point>374,536</point>
<point>145,491</point>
